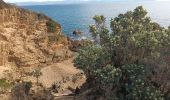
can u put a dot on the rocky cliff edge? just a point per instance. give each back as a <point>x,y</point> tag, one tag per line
<point>29,39</point>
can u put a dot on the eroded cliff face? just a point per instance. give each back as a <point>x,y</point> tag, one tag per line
<point>29,40</point>
<point>25,40</point>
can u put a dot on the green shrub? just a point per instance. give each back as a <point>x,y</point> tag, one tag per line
<point>37,73</point>
<point>92,58</point>
<point>120,61</point>
<point>4,84</point>
<point>51,26</point>
<point>40,16</point>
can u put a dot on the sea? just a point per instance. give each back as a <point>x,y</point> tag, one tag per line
<point>79,16</point>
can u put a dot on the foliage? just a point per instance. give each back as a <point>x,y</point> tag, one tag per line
<point>41,16</point>
<point>37,73</point>
<point>93,57</point>
<point>28,83</point>
<point>51,26</point>
<point>120,60</point>
<point>99,30</point>
<point>4,84</point>
<point>20,91</point>
<point>135,84</point>
<point>136,36</point>
<point>108,74</point>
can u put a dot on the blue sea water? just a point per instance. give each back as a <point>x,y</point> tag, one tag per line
<point>79,16</point>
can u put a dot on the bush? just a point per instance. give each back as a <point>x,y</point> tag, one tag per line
<point>37,73</point>
<point>91,58</point>
<point>51,26</point>
<point>4,84</point>
<point>41,16</point>
<point>119,62</point>
<point>20,91</point>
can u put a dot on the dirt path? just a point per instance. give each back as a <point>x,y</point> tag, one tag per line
<point>58,71</point>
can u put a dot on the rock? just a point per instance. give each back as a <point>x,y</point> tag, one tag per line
<point>75,45</point>
<point>24,43</point>
<point>24,38</point>
<point>77,32</point>
<point>62,54</point>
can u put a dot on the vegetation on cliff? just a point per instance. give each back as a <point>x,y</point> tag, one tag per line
<point>4,85</point>
<point>51,25</point>
<point>28,40</point>
<point>127,63</point>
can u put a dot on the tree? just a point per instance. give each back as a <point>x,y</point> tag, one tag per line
<point>37,73</point>
<point>99,31</point>
<point>120,64</point>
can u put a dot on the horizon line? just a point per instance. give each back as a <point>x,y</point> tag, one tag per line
<point>88,1</point>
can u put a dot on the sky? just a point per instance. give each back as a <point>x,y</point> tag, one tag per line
<point>47,0</point>
<point>12,1</point>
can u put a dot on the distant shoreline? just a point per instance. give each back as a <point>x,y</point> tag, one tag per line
<point>79,16</point>
<point>72,3</point>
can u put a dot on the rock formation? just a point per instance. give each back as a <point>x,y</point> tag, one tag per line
<point>77,32</point>
<point>29,40</point>
<point>25,39</point>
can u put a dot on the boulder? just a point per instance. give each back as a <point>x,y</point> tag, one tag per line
<point>75,45</point>
<point>77,32</point>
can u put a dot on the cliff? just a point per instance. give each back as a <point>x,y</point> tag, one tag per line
<point>28,38</point>
<point>28,41</point>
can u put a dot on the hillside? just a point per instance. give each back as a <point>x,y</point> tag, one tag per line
<point>30,40</point>
<point>26,38</point>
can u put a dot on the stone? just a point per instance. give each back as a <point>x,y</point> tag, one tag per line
<point>24,38</point>
<point>77,32</point>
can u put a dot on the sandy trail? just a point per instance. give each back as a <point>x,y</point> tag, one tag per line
<point>57,71</point>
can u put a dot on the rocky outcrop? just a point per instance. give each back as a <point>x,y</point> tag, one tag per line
<point>25,39</point>
<point>77,32</point>
<point>75,45</point>
<point>29,40</point>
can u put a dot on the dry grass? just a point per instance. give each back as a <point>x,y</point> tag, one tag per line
<point>2,30</point>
